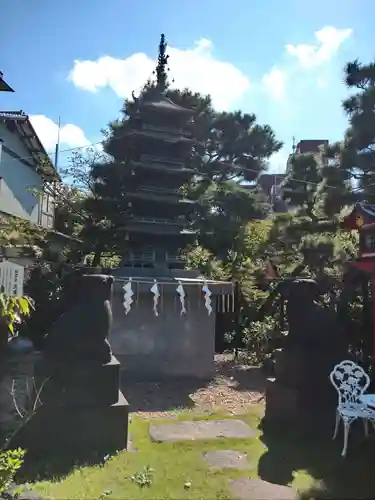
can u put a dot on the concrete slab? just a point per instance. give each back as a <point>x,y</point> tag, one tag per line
<point>200,429</point>
<point>226,459</point>
<point>255,489</point>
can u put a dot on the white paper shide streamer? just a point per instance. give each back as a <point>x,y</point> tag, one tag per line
<point>128,294</point>
<point>207,298</point>
<point>155,290</point>
<point>181,292</point>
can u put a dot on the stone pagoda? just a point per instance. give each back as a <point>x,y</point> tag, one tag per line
<point>164,316</point>
<point>157,226</point>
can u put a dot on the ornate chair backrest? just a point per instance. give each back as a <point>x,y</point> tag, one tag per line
<point>350,381</point>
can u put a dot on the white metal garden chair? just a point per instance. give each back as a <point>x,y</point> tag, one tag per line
<point>350,382</point>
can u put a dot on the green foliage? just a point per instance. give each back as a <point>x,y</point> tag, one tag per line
<point>223,212</point>
<point>69,215</point>
<point>143,478</point>
<point>235,146</point>
<point>13,310</point>
<point>10,463</point>
<point>359,153</point>
<point>257,339</point>
<point>290,243</point>
<point>107,261</point>
<point>255,238</point>
<point>202,259</point>
<point>45,287</point>
<point>21,232</point>
<point>317,185</point>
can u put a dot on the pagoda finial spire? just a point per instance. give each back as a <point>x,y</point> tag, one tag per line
<point>161,68</point>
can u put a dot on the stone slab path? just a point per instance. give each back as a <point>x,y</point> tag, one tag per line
<point>226,459</point>
<point>200,429</point>
<point>255,489</point>
<point>240,489</point>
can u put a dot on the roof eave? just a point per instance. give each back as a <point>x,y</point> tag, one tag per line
<point>4,87</point>
<point>165,104</point>
<point>32,142</point>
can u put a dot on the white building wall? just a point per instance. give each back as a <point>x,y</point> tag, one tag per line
<point>17,179</point>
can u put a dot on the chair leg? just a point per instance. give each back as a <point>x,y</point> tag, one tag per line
<point>337,423</point>
<point>346,436</point>
<point>365,424</point>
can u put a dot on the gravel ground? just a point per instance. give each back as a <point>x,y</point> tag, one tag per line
<point>232,390</point>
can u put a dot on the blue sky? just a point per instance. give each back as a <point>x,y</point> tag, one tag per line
<point>281,59</point>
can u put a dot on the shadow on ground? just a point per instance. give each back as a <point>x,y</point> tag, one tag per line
<point>316,453</point>
<point>165,395</point>
<point>160,396</point>
<point>171,394</point>
<point>58,466</point>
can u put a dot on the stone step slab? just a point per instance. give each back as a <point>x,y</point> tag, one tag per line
<point>256,489</point>
<point>226,459</point>
<point>193,430</point>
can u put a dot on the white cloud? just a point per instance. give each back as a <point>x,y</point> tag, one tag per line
<point>195,68</point>
<point>47,131</point>
<point>275,83</point>
<point>329,41</point>
<point>287,83</point>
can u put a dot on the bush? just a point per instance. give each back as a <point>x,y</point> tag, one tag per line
<point>10,462</point>
<point>44,286</point>
<point>257,340</point>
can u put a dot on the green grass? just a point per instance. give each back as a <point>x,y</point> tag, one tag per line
<point>312,465</point>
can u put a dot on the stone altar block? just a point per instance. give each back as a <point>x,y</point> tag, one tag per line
<point>170,344</point>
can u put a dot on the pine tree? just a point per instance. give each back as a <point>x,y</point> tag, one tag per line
<point>358,155</point>
<point>317,184</point>
<point>228,148</point>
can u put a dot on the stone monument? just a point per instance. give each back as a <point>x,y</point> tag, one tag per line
<point>81,406</point>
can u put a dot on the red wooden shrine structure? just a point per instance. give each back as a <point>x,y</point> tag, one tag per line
<point>362,219</point>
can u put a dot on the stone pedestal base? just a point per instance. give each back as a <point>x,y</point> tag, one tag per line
<point>289,366</point>
<point>76,430</point>
<point>78,384</point>
<point>292,405</point>
<point>16,383</point>
<point>282,402</point>
<point>81,409</point>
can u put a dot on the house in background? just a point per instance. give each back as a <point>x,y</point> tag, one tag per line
<point>272,184</point>
<point>306,146</point>
<point>27,179</point>
<point>25,168</point>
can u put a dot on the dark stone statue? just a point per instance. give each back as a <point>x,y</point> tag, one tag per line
<point>81,331</point>
<point>313,346</point>
<point>310,323</point>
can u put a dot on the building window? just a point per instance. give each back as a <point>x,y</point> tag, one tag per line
<point>370,242</point>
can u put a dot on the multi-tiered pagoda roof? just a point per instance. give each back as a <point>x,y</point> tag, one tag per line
<point>158,146</point>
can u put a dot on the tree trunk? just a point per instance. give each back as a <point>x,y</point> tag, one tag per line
<point>4,335</point>
<point>96,259</point>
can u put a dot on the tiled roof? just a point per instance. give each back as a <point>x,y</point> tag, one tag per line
<point>4,87</point>
<point>163,103</point>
